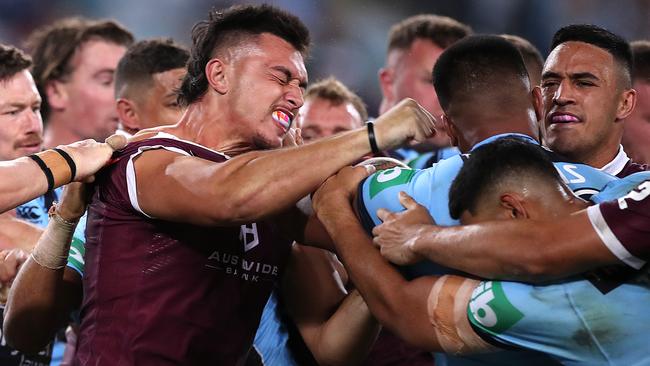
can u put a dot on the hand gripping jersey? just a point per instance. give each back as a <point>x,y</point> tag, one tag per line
<point>572,321</point>
<point>430,188</point>
<point>158,292</point>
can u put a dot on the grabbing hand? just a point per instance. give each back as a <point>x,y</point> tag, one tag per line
<point>397,234</point>
<point>405,122</point>
<point>292,138</point>
<point>73,203</point>
<point>338,190</point>
<point>89,155</point>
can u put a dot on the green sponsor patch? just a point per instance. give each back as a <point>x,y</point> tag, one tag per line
<point>76,255</point>
<point>490,309</point>
<point>388,178</point>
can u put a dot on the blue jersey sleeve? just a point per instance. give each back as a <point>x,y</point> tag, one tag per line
<point>429,187</point>
<point>621,187</point>
<point>571,321</point>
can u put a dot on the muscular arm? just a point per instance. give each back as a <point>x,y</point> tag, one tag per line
<point>402,306</point>
<point>336,326</point>
<point>521,250</point>
<point>259,184</point>
<point>524,250</point>
<point>43,295</point>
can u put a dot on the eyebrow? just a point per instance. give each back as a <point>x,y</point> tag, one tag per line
<point>577,75</point>
<point>289,75</point>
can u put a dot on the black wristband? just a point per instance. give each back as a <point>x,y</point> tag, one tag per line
<point>372,139</point>
<point>68,159</point>
<point>45,169</point>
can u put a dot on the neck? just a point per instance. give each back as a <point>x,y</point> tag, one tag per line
<point>58,132</point>
<point>488,127</point>
<point>219,134</point>
<point>599,158</point>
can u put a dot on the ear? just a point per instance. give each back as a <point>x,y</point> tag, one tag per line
<point>451,130</point>
<point>215,71</point>
<point>57,95</point>
<point>386,78</point>
<point>626,106</point>
<point>513,206</point>
<point>128,115</point>
<point>538,103</point>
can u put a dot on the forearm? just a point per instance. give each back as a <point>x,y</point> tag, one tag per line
<point>348,335</point>
<point>521,250</point>
<point>39,301</point>
<point>22,180</point>
<point>260,184</point>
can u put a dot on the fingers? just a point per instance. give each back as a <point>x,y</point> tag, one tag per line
<point>407,201</point>
<point>383,214</point>
<point>116,142</point>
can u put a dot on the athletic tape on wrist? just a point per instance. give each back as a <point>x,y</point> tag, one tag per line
<point>52,248</point>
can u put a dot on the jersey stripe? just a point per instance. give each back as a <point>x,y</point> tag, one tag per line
<point>610,240</point>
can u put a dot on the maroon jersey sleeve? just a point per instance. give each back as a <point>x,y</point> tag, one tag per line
<point>624,225</point>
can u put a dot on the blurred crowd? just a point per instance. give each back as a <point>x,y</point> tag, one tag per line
<point>331,183</point>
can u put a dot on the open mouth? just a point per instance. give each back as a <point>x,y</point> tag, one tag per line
<point>283,119</point>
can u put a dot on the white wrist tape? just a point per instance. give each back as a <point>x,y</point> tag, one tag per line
<point>53,246</point>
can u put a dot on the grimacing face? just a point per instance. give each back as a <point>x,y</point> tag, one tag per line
<point>266,80</point>
<point>21,131</point>
<point>581,98</point>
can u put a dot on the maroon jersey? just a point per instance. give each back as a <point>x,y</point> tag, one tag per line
<point>159,292</point>
<point>631,168</point>
<point>624,225</point>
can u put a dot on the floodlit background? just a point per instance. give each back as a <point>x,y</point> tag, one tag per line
<point>349,37</point>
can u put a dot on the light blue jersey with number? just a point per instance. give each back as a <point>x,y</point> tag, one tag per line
<point>572,321</point>
<point>430,188</point>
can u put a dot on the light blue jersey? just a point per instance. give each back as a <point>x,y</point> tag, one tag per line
<point>430,188</point>
<point>572,321</point>
<point>272,337</point>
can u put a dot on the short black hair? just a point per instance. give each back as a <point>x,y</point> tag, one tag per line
<point>12,61</point>
<point>224,26</point>
<point>476,64</point>
<point>594,35</point>
<point>532,57</point>
<point>641,55</point>
<point>145,58</point>
<point>490,164</point>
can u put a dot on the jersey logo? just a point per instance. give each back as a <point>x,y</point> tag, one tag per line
<point>638,194</point>
<point>249,236</point>
<point>490,309</point>
<point>388,178</point>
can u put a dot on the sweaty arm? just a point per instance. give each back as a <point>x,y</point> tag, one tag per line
<point>612,232</point>
<point>428,312</point>
<point>45,290</point>
<point>260,184</point>
<point>336,326</point>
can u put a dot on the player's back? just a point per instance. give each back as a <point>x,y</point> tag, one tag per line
<point>158,292</point>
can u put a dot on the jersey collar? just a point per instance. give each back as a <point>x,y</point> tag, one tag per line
<point>616,166</point>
